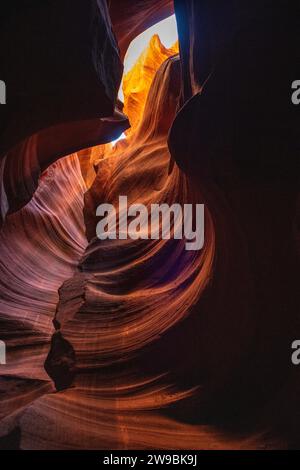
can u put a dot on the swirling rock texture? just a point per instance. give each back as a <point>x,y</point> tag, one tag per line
<point>141,343</point>
<point>40,247</point>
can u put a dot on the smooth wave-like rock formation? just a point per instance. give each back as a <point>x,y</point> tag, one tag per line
<point>22,166</point>
<point>146,153</point>
<point>130,312</point>
<point>40,247</point>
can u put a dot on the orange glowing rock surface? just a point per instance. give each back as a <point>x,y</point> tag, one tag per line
<point>137,81</point>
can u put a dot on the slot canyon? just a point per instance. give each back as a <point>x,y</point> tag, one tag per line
<point>142,344</point>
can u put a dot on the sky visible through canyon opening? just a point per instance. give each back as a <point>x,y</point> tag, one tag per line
<point>168,34</point>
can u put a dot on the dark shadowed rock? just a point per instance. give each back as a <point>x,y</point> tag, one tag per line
<point>60,362</point>
<point>61,66</point>
<point>130,18</point>
<point>239,121</point>
<point>60,63</point>
<point>12,440</point>
<point>236,137</point>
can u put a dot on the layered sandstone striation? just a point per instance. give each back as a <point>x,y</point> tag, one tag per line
<point>129,344</point>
